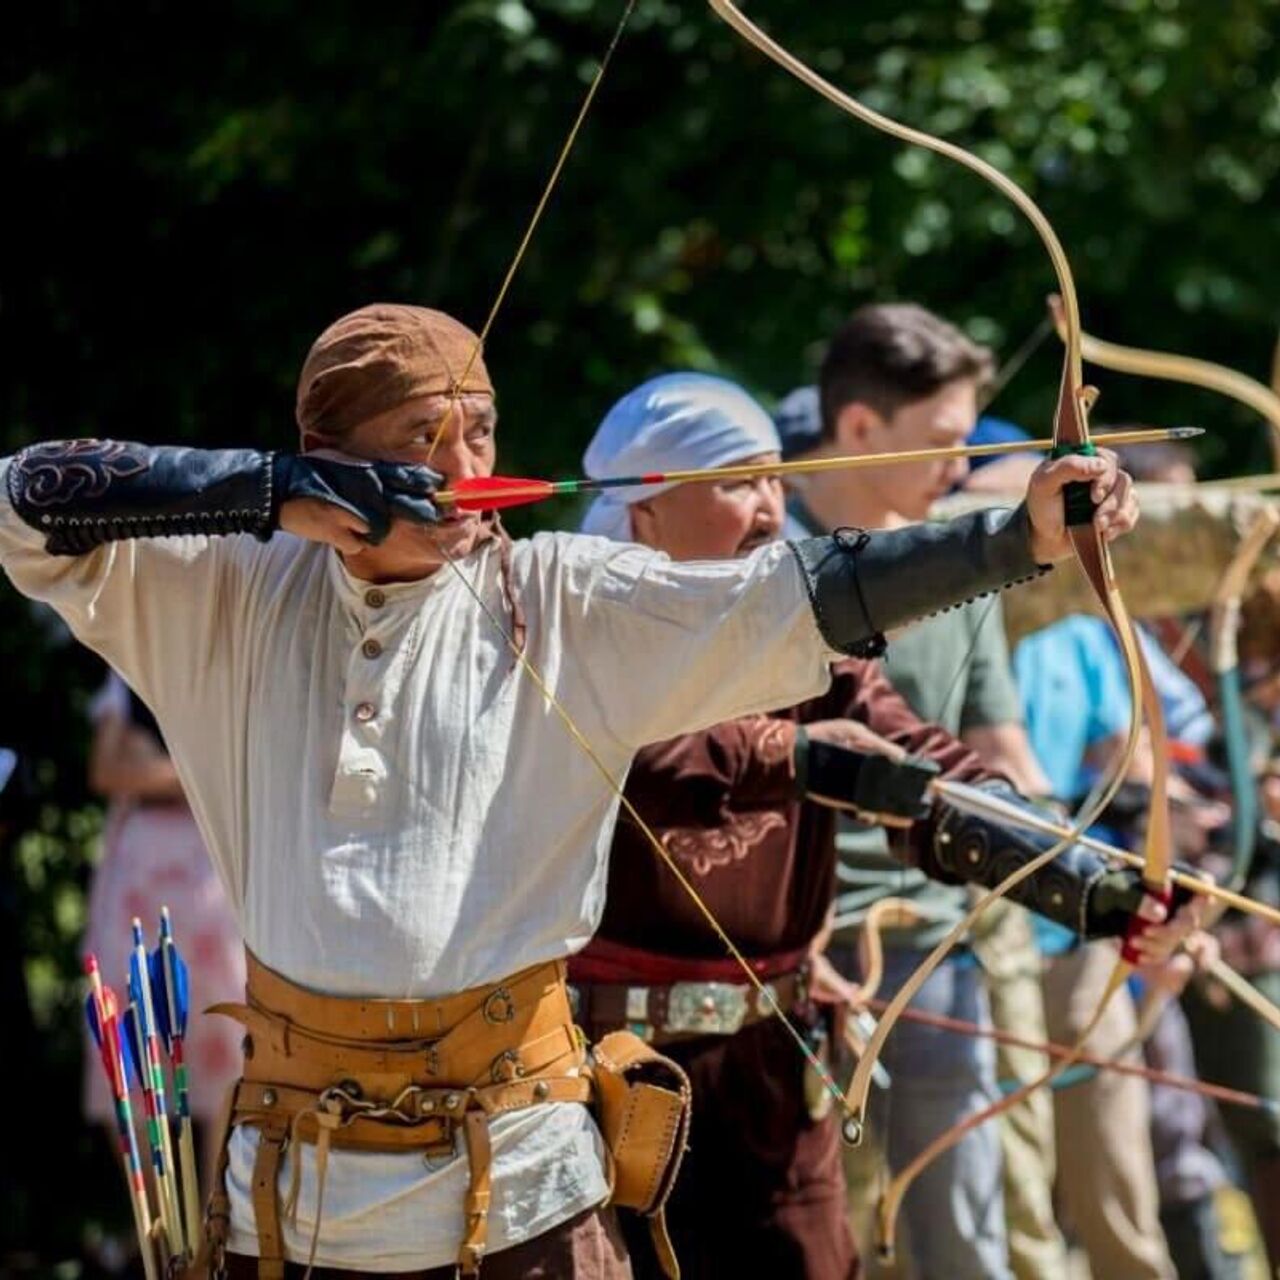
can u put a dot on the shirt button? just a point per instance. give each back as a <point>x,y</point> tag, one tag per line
<point>374,598</point>
<point>371,649</point>
<point>365,711</point>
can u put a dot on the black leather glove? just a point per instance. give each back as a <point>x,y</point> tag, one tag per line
<point>867,782</point>
<point>374,491</point>
<point>1116,896</point>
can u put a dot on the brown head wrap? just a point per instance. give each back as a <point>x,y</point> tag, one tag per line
<point>376,358</point>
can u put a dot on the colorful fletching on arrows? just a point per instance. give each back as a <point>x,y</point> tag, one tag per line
<point>169,986</point>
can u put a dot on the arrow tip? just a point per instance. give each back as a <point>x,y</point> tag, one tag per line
<point>1185,433</point>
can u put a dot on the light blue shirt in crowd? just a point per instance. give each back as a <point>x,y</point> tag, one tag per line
<point>1075,694</point>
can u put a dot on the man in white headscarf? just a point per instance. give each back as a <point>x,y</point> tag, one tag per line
<point>747,809</point>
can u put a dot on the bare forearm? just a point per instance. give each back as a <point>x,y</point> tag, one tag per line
<point>1005,749</point>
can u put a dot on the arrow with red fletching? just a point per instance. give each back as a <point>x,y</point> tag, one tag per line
<point>494,493</point>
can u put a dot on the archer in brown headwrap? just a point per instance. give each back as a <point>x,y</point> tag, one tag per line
<point>380,357</point>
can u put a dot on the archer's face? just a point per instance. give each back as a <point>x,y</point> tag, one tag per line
<point>455,436</point>
<point>712,521</point>
<point>939,421</point>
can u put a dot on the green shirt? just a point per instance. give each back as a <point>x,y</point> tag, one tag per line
<point>929,664</point>
<point>954,670</point>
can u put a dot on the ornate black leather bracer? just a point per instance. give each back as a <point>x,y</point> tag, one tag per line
<point>862,584</point>
<point>82,493</point>
<point>1077,889</point>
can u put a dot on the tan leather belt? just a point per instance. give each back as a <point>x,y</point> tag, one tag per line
<point>385,1075</point>
<point>661,1014</point>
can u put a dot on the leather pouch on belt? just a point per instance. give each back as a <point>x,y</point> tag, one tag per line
<point>642,1106</point>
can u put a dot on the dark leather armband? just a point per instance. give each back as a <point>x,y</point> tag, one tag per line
<point>862,584</point>
<point>82,493</point>
<point>866,782</point>
<point>1078,889</point>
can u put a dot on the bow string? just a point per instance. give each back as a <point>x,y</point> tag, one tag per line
<point>764,991</point>
<point>1166,366</point>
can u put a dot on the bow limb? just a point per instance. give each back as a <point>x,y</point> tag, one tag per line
<point>887,913</point>
<point>1189,1084</point>
<point>890,1203</point>
<point>1244,991</point>
<point>1224,660</point>
<point>1095,560</point>
<point>1070,429</point>
<point>1167,367</point>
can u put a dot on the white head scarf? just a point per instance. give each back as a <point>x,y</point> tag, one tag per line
<point>676,422</point>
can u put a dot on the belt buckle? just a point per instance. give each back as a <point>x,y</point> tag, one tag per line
<point>499,1006</point>
<point>706,1008</point>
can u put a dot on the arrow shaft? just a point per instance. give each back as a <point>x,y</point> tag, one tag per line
<point>538,489</point>
<point>152,1071</point>
<point>982,802</point>
<point>1219,1092</point>
<point>106,1028</point>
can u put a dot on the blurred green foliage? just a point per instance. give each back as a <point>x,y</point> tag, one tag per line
<point>192,194</point>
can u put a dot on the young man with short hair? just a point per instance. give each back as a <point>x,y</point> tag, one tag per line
<point>896,377</point>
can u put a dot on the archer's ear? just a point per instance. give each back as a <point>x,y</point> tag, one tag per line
<point>644,526</point>
<point>311,441</point>
<point>853,425</point>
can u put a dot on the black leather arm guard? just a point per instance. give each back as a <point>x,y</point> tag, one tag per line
<point>1078,889</point>
<point>866,782</point>
<point>83,493</point>
<point>862,584</point>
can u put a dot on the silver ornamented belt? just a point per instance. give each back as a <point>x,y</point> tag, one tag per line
<point>684,1009</point>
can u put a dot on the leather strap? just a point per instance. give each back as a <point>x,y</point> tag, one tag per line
<point>266,1204</point>
<point>390,1075</point>
<point>353,1018</point>
<point>475,1236</point>
<point>217,1213</point>
<point>427,1122</point>
<point>662,1245</point>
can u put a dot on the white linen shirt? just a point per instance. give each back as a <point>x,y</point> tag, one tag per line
<point>395,808</point>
